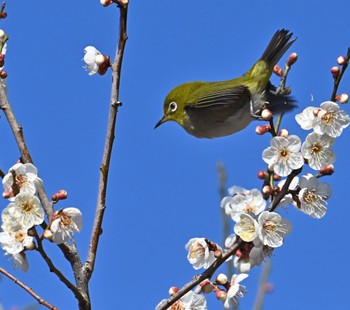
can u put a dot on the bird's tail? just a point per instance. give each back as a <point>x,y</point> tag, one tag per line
<point>278,45</point>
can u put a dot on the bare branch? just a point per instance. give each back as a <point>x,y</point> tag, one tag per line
<point>28,289</point>
<point>104,169</point>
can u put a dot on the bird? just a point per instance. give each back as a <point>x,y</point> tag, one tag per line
<point>221,108</point>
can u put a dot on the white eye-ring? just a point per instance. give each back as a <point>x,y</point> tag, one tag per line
<point>172,106</point>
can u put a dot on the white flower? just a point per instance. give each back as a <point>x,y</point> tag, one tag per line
<point>243,265</point>
<point>15,242</point>
<point>331,120</point>
<point>317,150</point>
<point>25,211</point>
<point>246,228</point>
<point>95,61</point>
<point>284,154</point>
<point>288,199</point>
<point>272,229</point>
<point>328,119</point>
<point>19,260</point>
<point>313,196</point>
<point>190,301</point>
<point>243,201</point>
<point>235,290</point>
<point>199,254</point>
<point>306,118</point>
<point>64,222</point>
<point>22,178</point>
<point>259,252</point>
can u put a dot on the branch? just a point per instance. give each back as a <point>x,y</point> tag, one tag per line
<point>339,77</point>
<point>258,305</point>
<point>199,278</point>
<point>104,169</point>
<point>28,289</point>
<point>284,190</point>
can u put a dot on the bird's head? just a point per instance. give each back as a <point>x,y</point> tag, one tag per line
<point>175,103</point>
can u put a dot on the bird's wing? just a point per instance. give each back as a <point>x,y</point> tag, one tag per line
<point>221,103</point>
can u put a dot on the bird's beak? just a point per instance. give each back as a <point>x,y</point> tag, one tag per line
<point>161,121</point>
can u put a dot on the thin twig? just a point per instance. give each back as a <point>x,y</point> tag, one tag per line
<point>28,289</point>
<point>104,169</point>
<point>53,269</point>
<point>198,279</point>
<point>224,218</point>
<point>339,77</point>
<point>262,286</point>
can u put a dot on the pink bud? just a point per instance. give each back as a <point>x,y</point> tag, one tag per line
<point>220,295</point>
<point>335,72</point>
<point>206,286</point>
<point>262,175</point>
<point>47,234</point>
<point>7,194</point>
<point>327,170</point>
<point>3,74</point>
<point>342,98</point>
<point>277,70</point>
<point>276,177</point>
<point>173,290</point>
<point>292,59</point>
<point>60,195</point>
<point>260,130</point>
<point>284,133</point>
<point>341,60</point>
<point>106,2</point>
<point>217,253</point>
<point>267,190</point>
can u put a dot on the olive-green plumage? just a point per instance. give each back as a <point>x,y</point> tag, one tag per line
<point>215,109</point>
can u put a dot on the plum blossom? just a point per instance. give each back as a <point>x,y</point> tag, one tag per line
<point>243,201</point>
<point>199,254</point>
<point>272,229</point>
<point>64,223</point>
<point>317,150</point>
<point>19,260</point>
<point>95,61</point>
<point>328,119</point>
<point>236,290</point>
<point>190,301</point>
<point>15,242</point>
<point>284,154</point>
<point>313,196</point>
<point>21,178</point>
<point>246,228</point>
<point>25,211</point>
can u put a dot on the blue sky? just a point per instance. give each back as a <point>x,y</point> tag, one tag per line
<point>163,186</point>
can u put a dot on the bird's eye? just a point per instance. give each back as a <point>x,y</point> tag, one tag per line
<point>172,106</point>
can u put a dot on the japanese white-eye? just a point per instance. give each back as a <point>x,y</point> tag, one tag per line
<point>216,109</point>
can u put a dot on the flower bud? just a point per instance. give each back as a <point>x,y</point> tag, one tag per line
<point>267,190</point>
<point>221,279</point>
<point>266,114</point>
<point>206,286</point>
<point>277,70</point>
<point>287,91</point>
<point>262,174</point>
<point>2,34</point>
<point>335,72</point>
<point>342,98</point>
<point>7,193</point>
<point>261,130</point>
<point>30,246</point>
<point>47,234</point>
<point>220,295</point>
<point>3,74</point>
<point>60,195</point>
<point>327,170</point>
<point>276,177</point>
<point>3,15</point>
<point>292,59</point>
<point>106,2</point>
<point>341,60</point>
<point>217,253</point>
<point>173,290</point>
<point>284,133</point>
